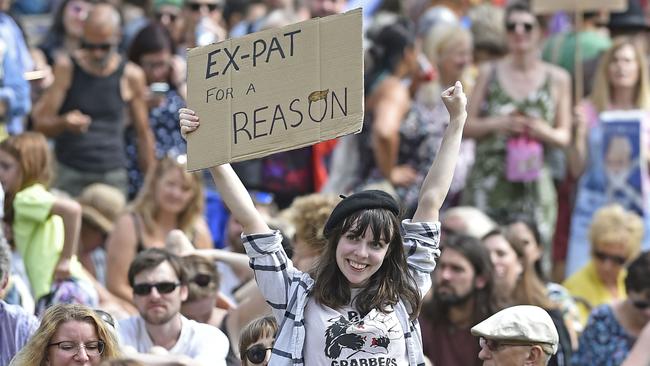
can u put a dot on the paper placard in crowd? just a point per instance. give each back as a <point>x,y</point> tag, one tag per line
<point>551,6</point>
<point>617,173</point>
<point>276,90</point>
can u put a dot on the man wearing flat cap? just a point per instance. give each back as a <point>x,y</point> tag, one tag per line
<point>521,335</point>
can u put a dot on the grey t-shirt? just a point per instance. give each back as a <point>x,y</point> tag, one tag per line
<point>344,338</point>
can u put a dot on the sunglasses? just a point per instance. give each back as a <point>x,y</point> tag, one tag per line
<point>197,6</point>
<point>171,16</point>
<point>494,345</point>
<point>641,305</point>
<point>257,353</point>
<point>144,289</point>
<point>616,259</point>
<point>96,46</point>
<point>512,26</point>
<point>202,279</point>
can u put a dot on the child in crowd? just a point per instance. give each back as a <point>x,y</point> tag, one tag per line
<point>365,294</point>
<point>256,340</point>
<point>45,227</point>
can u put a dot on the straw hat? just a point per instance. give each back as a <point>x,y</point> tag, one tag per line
<point>101,204</point>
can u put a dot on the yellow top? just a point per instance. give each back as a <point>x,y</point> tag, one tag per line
<point>586,285</point>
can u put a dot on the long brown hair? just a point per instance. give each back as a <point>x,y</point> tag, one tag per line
<point>601,95</point>
<point>146,206</point>
<point>392,282</point>
<point>529,289</point>
<point>34,159</point>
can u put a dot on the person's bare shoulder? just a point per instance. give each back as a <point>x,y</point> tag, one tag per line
<point>133,72</point>
<point>560,75</point>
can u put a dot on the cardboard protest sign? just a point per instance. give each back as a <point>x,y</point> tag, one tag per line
<point>616,172</point>
<point>276,90</point>
<point>551,6</point>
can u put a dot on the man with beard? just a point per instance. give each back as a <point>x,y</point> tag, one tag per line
<point>159,287</point>
<point>463,296</point>
<point>84,108</point>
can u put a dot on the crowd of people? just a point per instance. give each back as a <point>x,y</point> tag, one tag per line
<point>494,209</point>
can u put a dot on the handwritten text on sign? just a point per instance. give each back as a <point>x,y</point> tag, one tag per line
<point>276,90</point>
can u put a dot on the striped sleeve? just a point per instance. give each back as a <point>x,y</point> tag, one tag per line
<point>274,271</point>
<point>421,247</point>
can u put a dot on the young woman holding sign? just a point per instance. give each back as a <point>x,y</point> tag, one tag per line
<point>362,300</point>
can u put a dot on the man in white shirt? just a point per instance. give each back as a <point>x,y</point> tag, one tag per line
<point>159,287</point>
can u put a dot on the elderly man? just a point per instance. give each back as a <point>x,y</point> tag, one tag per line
<point>16,324</point>
<point>84,109</point>
<point>521,335</point>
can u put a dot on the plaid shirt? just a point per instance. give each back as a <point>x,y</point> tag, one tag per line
<point>286,288</point>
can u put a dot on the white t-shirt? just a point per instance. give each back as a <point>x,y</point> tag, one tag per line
<point>343,338</point>
<point>201,342</point>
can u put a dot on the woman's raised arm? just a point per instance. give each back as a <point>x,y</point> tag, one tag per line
<point>232,190</point>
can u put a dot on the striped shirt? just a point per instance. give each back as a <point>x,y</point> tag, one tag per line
<point>286,289</point>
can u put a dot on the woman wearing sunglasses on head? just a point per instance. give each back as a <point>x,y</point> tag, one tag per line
<point>615,236</point>
<point>613,328</point>
<point>69,334</point>
<point>256,341</point>
<point>519,114</point>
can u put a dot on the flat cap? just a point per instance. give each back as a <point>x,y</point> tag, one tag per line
<point>522,323</point>
<point>363,200</point>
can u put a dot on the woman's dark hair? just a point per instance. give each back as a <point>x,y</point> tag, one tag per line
<point>524,7</point>
<point>392,282</point>
<point>152,38</point>
<point>486,300</point>
<point>638,274</point>
<point>387,50</point>
<point>530,224</point>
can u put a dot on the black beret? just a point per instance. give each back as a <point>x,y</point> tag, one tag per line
<point>363,200</point>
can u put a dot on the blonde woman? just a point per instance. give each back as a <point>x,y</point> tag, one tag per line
<point>69,334</point>
<point>615,236</point>
<point>622,83</point>
<point>170,199</point>
<point>449,49</point>
<point>308,215</point>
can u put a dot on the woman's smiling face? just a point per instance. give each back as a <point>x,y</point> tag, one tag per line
<point>358,258</point>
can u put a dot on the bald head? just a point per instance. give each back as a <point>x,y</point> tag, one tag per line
<point>104,19</point>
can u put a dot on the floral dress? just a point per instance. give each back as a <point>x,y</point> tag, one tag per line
<point>421,135</point>
<point>163,121</point>
<point>604,341</point>
<point>488,188</point>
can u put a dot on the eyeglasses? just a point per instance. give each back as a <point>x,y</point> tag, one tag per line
<point>257,353</point>
<point>641,305</point>
<point>494,345</point>
<point>72,348</point>
<point>512,26</point>
<point>171,16</point>
<point>96,46</point>
<point>202,279</point>
<point>197,6</point>
<point>144,289</point>
<point>616,259</point>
